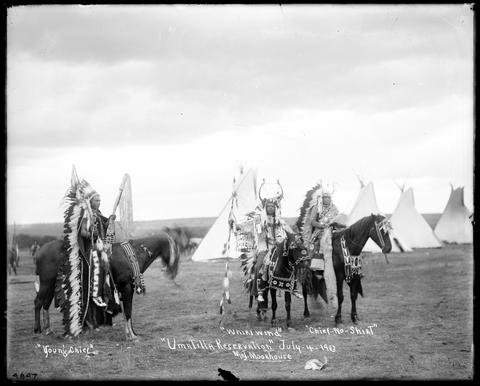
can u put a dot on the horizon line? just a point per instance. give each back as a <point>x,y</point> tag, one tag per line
<point>180,218</point>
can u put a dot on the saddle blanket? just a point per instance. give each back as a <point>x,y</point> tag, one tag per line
<point>281,274</point>
<point>353,264</point>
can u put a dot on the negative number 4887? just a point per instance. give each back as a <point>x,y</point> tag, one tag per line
<point>26,376</point>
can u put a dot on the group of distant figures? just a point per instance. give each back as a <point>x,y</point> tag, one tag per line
<point>13,257</point>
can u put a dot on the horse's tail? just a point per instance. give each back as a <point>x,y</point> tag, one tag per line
<point>174,258</point>
<point>313,285</point>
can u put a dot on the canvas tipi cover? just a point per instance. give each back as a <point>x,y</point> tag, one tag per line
<point>365,205</point>
<point>409,226</point>
<point>214,244</point>
<point>455,226</point>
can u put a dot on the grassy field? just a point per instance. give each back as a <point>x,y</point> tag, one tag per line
<point>417,310</point>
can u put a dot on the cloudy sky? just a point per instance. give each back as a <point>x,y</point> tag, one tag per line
<point>180,96</point>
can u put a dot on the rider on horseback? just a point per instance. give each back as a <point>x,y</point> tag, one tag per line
<point>324,213</point>
<point>272,230</point>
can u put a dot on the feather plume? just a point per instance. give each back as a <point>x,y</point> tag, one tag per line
<point>247,263</point>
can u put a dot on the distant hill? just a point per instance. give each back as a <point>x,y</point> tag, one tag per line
<point>197,227</point>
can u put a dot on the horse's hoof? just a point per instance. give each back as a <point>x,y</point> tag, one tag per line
<point>48,332</point>
<point>37,331</point>
<point>355,319</point>
<point>274,322</point>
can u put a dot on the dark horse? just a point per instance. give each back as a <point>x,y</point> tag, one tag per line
<point>375,227</point>
<point>146,251</point>
<point>285,257</point>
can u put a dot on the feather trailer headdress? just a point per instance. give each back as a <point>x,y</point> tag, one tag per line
<point>69,289</point>
<point>308,211</point>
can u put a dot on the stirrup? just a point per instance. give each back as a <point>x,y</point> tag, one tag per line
<point>99,301</point>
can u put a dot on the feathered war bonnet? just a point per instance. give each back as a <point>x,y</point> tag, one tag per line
<point>327,191</point>
<point>78,197</point>
<point>87,191</point>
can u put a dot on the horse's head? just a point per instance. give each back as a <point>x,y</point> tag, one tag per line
<point>380,232</point>
<point>180,236</point>
<point>165,247</point>
<point>294,248</point>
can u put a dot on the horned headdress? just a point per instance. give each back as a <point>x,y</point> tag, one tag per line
<point>274,199</point>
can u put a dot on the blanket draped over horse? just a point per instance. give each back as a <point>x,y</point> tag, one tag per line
<point>325,287</point>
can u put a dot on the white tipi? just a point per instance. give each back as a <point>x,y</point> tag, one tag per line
<point>365,205</point>
<point>455,226</point>
<point>214,244</point>
<point>410,229</point>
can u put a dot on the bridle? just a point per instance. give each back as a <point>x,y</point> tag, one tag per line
<point>286,250</point>
<point>149,252</point>
<point>385,226</point>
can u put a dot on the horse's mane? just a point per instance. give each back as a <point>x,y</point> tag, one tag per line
<point>307,202</point>
<point>280,247</point>
<point>181,235</point>
<point>361,223</point>
<point>356,226</point>
<point>157,243</point>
